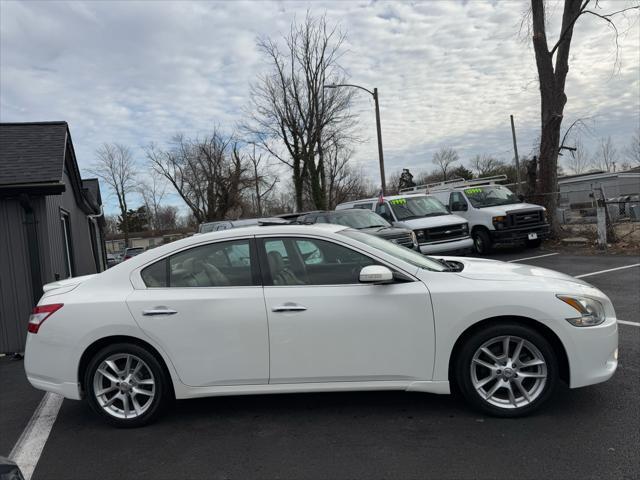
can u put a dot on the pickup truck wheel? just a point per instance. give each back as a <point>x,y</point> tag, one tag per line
<point>506,370</point>
<point>126,385</point>
<point>481,242</point>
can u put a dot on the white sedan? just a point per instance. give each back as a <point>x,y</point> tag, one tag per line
<point>302,308</point>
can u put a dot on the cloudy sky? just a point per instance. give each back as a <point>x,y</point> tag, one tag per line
<point>449,72</point>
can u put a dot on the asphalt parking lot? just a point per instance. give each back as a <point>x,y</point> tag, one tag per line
<point>592,432</point>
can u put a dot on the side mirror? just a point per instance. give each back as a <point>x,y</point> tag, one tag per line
<point>376,274</point>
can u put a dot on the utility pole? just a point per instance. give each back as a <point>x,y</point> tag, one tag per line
<point>515,149</point>
<point>374,94</point>
<point>380,154</point>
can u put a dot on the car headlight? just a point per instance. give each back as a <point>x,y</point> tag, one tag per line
<point>465,228</point>
<point>498,222</point>
<point>414,239</point>
<point>591,311</point>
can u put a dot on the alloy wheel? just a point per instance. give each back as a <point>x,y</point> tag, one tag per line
<point>124,386</point>
<point>508,372</point>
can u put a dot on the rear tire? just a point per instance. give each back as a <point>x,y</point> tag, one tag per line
<point>126,385</point>
<point>482,241</point>
<point>506,383</point>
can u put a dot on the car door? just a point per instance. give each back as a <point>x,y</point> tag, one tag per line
<point>205,308</point>
<point>325,326</point>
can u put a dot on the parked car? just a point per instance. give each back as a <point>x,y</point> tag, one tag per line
<point>436,229</point>
<point>112,260</point>
<point>345,310</point>
<point>495,214</point>
<point>208,227</point>
<point>131,252</point>
<point>366,221</point>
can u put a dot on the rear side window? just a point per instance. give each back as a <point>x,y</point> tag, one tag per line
<point>221,264</point>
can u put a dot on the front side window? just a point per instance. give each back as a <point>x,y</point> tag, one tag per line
<point>490,196</point>
<point>390,248</point>
<point>221,264</point>
<point>407,208</point>
<point>383,210</point>
<point>457,201</point>
<point>309,261</point>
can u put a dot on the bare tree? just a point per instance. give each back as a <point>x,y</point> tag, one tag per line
<point>167,218</point>
<point>292,114</point>
<point>552,79</point>
<point>606,156</point>
<point>485,165</point>
<point>111,224</point>
<point>578,160</point>
<point>632,152</point>
<point>153,190</point>
<point>115,167</point>
<point>209,174</point>
<point>263,182</point>
<point>444,159</point>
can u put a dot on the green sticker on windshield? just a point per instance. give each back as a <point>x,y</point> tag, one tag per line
<point>473,191</point>
<point>398,201</point>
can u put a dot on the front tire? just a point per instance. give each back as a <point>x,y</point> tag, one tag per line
<point>126,385</point>
<point>482,241</point>
<point>506,370</point>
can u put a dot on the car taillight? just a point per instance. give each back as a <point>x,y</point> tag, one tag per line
<point>40,314</point>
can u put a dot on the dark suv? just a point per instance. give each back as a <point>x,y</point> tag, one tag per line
<point>366,221</point>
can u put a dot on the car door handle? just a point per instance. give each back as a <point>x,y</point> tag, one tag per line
<point>159,311</point>
<point>289,307</point>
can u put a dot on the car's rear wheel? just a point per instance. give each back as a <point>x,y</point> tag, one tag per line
<point>126,385</point>
<point>482,241</point>
<point>506,370</point>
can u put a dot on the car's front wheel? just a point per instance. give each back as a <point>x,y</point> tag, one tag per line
<point>506,370</point>
<point>126,385</point>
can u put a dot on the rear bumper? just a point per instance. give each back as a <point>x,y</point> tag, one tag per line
<point>516,235</point>
<point>461,245</point>
<point>66,389</point>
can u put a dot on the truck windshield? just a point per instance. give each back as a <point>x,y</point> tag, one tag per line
<point>402,253</point>
<point>407,208</point>
<point>490,196</point>
<point>358,218</point>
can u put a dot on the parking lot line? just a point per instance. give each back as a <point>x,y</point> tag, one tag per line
<point>608,270</point>
<point>531,258</point>
<point>29,446</point>
<point>626,322</point>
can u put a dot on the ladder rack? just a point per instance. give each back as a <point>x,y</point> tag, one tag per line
<point>454,183</point>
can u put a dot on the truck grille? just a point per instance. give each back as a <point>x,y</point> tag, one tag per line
<point>447,232</point>
<point>526,218</point>
<point>403,239</point>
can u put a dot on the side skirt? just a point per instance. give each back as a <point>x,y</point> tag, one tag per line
<point>439,387</point>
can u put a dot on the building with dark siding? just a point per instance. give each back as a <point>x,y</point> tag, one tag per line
<point>51,222</point>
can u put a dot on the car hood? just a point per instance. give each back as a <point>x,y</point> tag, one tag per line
<point>386,231</point>
<point>499,210</point>
<point>430,222</point>
<point>494,270</point>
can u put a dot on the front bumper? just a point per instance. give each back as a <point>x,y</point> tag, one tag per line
<point>517,235</point>
<point>592,353</point>
<point>462,245</point>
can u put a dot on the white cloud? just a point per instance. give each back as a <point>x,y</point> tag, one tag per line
<point>449,73</point>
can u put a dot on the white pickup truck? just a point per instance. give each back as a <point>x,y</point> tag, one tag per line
<point>436,229</point>
<point>495,214</point>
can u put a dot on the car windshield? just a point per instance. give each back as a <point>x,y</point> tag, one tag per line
<point>358,219</point>
<point>490,196</point>
<point>401,253</point>
<point>416,207</point>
